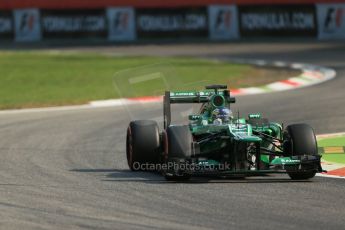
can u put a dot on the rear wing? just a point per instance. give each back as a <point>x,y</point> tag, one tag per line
<point>185,97</point>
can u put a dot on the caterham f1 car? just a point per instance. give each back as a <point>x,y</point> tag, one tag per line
<point>217,143</point>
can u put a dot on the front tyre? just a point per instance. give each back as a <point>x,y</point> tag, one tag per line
<point>300,140</point>
<point>178,148</point>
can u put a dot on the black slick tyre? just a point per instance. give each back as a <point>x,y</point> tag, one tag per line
<point>299,140</point>
<point>142,144</point>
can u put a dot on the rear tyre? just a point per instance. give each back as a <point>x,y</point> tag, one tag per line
<point>299,140</point>
<point>142,144</point>
<point>178,148</point>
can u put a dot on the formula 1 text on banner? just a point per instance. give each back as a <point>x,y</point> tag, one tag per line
<point>278,21</point>
<point>73,23</point>
<point>172,23</point>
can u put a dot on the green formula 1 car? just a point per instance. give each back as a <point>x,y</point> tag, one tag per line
<point>215,143</point>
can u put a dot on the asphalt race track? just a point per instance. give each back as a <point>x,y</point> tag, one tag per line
<point>67,169</point>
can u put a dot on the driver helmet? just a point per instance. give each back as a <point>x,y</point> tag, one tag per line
<point>221,115</point>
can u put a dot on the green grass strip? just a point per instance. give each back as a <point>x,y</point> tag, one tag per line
<point>35,79</point>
